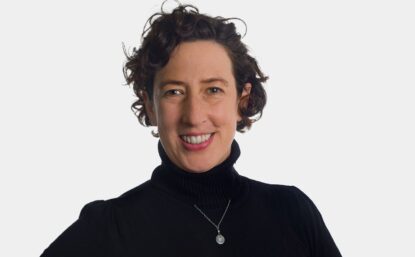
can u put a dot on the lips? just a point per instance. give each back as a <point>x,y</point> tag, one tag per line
<point>196,142</point>
<point>196,139</point>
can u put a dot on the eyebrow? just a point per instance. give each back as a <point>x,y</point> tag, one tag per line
<point>215,79</point>
<point>182,83</point>
<point>171,81</point>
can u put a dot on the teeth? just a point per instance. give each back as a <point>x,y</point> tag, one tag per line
<point>196,139</point>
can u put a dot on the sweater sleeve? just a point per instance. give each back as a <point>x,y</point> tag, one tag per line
<point>86,236</point>
<point>316,234</point>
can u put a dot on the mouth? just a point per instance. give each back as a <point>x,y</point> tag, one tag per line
<point>196,139</point>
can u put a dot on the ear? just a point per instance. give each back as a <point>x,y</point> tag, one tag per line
<point>149,108</point>
<point>244,98</point>
<point>247,90</point>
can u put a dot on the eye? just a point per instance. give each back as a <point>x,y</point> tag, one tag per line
<point>172,92</point>
<point>215,90</point>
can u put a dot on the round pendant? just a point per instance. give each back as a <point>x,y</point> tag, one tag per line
<point>220,239</point>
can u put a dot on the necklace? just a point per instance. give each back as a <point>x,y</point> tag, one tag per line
<point>220,239</point>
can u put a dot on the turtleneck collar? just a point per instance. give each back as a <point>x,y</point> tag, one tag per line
<point>210,189</point>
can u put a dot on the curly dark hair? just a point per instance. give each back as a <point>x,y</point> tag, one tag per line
<point>186,24</point>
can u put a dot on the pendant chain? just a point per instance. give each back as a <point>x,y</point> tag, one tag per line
<point>219,238</point>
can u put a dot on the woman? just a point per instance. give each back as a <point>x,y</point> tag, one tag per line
<point>196,82</point>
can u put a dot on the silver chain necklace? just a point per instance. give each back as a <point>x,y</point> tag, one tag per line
<point>220,239</point>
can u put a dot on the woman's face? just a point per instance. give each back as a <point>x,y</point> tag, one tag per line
<point>195,105</point>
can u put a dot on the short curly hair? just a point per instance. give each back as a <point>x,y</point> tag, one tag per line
<point>186,24</point>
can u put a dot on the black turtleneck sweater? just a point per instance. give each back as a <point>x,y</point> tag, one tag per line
<point>158,218</point>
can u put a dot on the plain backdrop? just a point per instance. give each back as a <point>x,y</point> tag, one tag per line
<point>339,122</point>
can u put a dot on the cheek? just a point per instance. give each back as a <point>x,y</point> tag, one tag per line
<point>225,114</point>
<point>167,115</point>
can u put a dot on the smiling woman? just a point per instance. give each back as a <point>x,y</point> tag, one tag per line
<point>195,105</point>
<point>196,82</point>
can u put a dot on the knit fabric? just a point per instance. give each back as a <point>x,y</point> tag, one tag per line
<point>158,218</point>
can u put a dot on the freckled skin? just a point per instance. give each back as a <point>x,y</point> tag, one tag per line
<point>201,97</point>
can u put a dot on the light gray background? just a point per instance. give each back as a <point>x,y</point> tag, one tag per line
<point>339,123</point>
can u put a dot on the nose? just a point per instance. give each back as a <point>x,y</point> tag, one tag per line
<point>194,111</point>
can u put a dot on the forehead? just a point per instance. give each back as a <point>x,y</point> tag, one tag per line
<point>197,60</point>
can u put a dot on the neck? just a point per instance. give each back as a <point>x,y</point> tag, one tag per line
<point>209,189</point>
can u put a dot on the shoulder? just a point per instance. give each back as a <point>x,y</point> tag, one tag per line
<point>94,213</point>
<point>102,209</point>
<point>137,192</point>
<point>273,190</point>
<point>289,198</point>
<point>90,233</point>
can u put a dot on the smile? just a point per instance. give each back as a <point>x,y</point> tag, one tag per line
<point>194,140</point>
